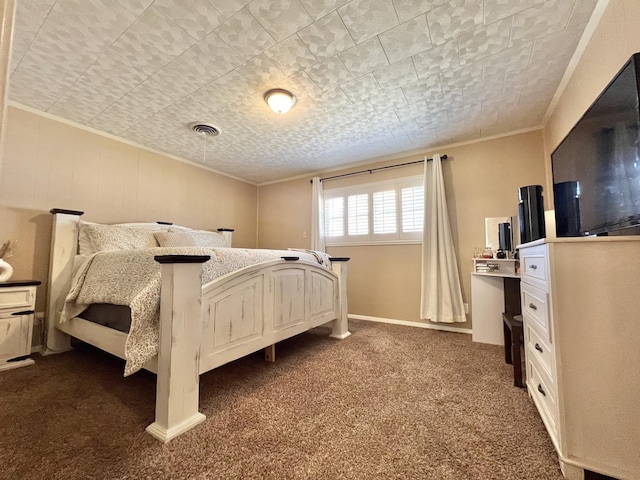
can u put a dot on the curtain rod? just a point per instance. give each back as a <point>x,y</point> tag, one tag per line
<point>443,157</point>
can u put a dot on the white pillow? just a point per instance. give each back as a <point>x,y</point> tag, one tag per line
<point>175,239</point>
<point>95,237</point>
<point>204,238</point>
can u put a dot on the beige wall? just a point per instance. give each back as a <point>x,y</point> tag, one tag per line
<point>482,180</point>
<point>615,39</point>
<point>49,164</point>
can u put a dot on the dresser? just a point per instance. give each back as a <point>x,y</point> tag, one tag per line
<point>581,314</point>
<point>17,304</point>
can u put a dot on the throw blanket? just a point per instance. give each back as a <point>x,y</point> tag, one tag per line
<point>132,278</point>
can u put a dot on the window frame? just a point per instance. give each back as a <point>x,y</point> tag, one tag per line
<point>397,238</point>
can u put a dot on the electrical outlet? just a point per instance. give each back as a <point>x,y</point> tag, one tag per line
<point>304,234</point>
<point>466,307</point>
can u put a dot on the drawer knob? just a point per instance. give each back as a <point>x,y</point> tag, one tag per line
<point>532,306</point>
<point>539,348</point>
<point>541,390</point>
<point>534,267</point>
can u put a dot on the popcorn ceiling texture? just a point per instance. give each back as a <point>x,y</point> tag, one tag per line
<point>372,77</point>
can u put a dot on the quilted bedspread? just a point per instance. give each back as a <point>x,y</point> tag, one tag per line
<point>132,278</point>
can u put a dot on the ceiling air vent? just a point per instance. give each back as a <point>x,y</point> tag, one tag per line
<point>204,129</point>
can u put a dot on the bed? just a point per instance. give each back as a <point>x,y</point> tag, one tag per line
<point>205,319</point>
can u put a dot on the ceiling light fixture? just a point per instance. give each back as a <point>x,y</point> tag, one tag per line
<point>279,100</point>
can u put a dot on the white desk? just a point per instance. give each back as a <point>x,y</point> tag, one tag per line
<point>491,295</point>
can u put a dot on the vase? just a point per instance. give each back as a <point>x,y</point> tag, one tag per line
<point>6,271</point>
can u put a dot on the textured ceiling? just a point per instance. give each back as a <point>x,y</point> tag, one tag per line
<point>372,77</point>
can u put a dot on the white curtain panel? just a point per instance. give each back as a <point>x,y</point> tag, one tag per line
<point>441,299</point>
<point>317,215</point>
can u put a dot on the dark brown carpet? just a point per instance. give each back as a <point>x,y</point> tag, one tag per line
<point>387,402</point>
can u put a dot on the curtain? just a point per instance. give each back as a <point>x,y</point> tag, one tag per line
<point>441,298</point>
<point>317,215</point>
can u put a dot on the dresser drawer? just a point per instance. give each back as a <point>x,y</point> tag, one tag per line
<point>540,350</point>
<point>17,297</point>
<point>535,310</point>
<point>543,392</point>
<point>533,266</point>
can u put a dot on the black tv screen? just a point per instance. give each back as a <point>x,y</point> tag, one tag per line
<point>596,168</point>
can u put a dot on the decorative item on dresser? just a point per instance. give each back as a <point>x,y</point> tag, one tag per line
<point>580,311</point>
<point>216,304</point>
<point>17,304</point>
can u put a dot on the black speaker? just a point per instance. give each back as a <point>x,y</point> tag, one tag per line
<point>567,203</point>
<point>531,213</point>
<point>504,236</point>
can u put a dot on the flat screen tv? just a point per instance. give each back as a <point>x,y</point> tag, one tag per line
<point>596,168</point>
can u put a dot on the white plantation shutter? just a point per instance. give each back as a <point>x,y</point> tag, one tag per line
<point>375,213</point>
<point>412,209</point>
<point>334,217</point>
<point>358,211</point>
<point>384,212</point>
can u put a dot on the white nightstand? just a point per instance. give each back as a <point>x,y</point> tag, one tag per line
<point>17,305</point>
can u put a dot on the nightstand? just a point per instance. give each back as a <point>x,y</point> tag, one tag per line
<point>17,308</point>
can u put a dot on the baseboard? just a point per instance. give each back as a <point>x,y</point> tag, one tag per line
<point>408,323</point>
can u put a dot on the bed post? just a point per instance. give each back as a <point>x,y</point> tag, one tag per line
<point>340,326</point>
<point>227,233</point>
<point>64,245</point>
<point>177,391</point>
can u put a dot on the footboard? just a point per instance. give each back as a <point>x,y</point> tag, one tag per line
<point>242,312</point>
<point>260,305</point>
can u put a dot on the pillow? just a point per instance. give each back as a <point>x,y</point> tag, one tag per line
<point>95,237</point>
<point>204,238</point>
<point>175,239</point>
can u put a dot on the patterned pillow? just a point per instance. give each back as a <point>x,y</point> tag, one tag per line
<point>95,237</point>
<point>175,239</point>
<point>204,238</point>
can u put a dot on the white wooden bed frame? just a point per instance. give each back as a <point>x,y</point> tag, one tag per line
<point>203,326</point>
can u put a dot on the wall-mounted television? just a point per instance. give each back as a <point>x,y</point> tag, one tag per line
<point>596,168</point>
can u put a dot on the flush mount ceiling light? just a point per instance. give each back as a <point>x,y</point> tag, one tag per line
<point>279,100</point>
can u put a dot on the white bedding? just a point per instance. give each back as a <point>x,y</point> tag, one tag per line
<point>132,278</point>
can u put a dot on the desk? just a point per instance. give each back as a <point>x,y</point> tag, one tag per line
<point>492,294</point>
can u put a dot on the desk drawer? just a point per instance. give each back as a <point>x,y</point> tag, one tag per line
<point>539,349</point>
<point>534,307</point>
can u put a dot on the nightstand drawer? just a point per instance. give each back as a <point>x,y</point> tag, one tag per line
<point>15,336</point>
<point>17,297</point>
<point>534,307</point>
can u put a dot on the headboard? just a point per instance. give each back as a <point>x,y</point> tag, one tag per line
<point>64,247</point>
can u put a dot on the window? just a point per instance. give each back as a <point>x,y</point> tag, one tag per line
<point>382,212</point>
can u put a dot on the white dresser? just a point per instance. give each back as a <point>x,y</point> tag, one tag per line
<point>581,312</point>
